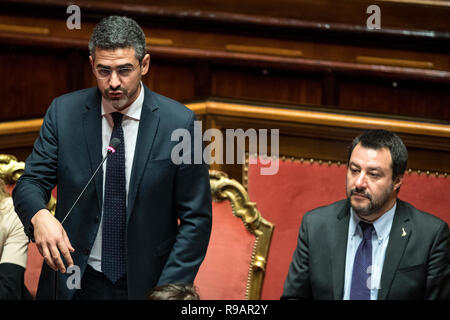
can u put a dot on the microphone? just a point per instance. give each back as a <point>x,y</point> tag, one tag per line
<point>111,149</point>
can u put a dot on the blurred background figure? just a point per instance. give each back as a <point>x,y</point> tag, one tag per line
<point>13,250</point>
<point>174,291</point>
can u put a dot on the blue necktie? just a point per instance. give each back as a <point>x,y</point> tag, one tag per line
<point>363,259</point>
<point>114,263</point>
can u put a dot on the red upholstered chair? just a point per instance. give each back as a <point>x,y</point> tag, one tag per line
<point>235,262</point>
<point>10,171</point>
<point>300,186</point>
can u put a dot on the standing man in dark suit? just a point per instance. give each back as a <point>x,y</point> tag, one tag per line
<point>144,220</point>
<point>372,245</point>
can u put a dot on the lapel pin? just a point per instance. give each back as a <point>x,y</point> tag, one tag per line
<point>404,232</point>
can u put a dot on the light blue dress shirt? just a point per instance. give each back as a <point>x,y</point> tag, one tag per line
<point>380,239</point>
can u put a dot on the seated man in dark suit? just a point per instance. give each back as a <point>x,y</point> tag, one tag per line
<point>371,245</point>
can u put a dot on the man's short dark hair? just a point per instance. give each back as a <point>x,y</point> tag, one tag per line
<point>378,139</point>
<point>173,291</point>
<point>116,32</point>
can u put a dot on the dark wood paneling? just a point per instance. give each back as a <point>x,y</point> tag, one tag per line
<point>176,81</point>
<point>396,97</point>
<point>267,85</point>
<point>340,15</point>
<point>31,79</point>
<point>88,80</point>
<point>195,56</point>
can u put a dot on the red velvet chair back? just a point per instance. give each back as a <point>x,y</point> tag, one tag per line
<point>223,274</point>
<point>235,261</point>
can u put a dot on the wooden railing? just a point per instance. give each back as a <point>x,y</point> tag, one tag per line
<point>302,131</point>
<point>320,118</point>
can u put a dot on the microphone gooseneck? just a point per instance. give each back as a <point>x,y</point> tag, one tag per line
<point>111,149</point>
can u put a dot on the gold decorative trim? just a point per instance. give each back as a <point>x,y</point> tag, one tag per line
<point>437,3</point>
<point>223,188</point>
<point>263,50</point>
<point>395,62</point>
<point>10,168</point>
<point>419,172</point>
<point>198,107</point>
<point>24,29</point>
<point>158,41</point>
<point>10,172</point>
<point>20,126</point>
<point>409,171</point>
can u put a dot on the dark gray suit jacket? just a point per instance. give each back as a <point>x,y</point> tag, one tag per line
<point>416,266</point>
<point>66,153</point>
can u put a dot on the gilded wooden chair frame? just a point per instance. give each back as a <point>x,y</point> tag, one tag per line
<point>223,188</point>
<point>10,172</point>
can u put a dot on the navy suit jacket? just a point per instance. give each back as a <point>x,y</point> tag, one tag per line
<point>416,265</point>
<point>169,206</point>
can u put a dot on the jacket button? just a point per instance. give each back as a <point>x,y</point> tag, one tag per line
<point>97,219</point>
<point>86,251</point>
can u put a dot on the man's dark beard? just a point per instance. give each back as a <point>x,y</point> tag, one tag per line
<point>374,205</point>
<point>125,95</point>
<point>117,103</point>
<point>121,90</point>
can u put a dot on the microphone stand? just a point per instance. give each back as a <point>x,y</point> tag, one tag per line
<point>111,149</point>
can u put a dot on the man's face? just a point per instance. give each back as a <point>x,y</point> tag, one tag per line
<point>369,182</point>
<point>121,86</point>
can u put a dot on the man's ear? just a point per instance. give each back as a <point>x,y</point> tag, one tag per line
<point>398,183</point>
<point>145,64</point>
<point>91,61</point>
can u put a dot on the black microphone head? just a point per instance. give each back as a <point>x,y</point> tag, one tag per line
<point>114,142</point>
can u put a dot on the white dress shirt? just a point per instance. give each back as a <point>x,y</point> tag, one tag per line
<point>380,239</point>
<point>130,126</point>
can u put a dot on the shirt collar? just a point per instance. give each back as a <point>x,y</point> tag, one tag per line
<point>133,111</point>
<point>382,225</point>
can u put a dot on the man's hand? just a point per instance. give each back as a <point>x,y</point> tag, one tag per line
<point>51,239</point>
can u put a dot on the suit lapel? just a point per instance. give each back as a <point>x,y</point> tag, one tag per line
<point>148,126</point>
<point>398,239</point>
<point>92,123</point>
<point>339,251</point>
